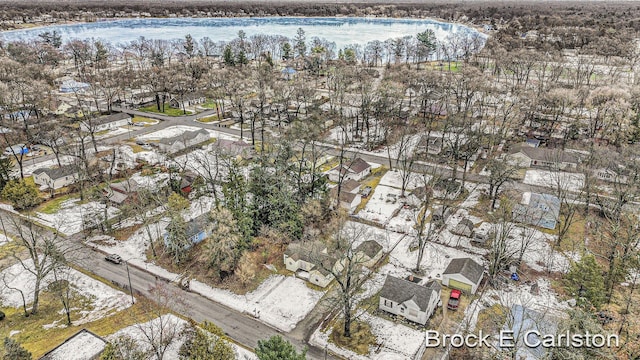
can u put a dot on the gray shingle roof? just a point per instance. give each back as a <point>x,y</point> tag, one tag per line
<point>467,268</point>
<point>358,165</point>
<point>400,290</point>
<point>545,154</point>
<point>110,118</point>
<point>186,136</point>
<point>370,248</point>
<point>57,173</point>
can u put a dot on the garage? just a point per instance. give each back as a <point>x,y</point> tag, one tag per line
<point>463,274</point>
<point>467,288</point>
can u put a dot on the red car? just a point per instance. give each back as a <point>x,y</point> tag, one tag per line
<point>454,300</point>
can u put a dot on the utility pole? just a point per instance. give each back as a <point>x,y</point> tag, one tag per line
<point>130,287</point>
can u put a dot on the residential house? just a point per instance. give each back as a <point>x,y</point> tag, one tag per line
<point>463,274</point>
<point>55,178</point>
<point>526,156</point>
<point>447,189</point>
<point>83,345</point>
<point>122,192</point>
<point>429,145</point>
<point>412,301</point>
<point>350,186</point>
<point>186,101</point>
<point>311,261</point>
<point>347,200</point>
<point>197,230</point>
<point>107,122</point>
<point>186,182</point>
<point>369,252</point>
<point>524,322</point>
<point>537,209</point>
<point>464,228</point>
<point>237,148</point>
<point>619,175</point>
<point>183,141</point>
<point>356,170</point>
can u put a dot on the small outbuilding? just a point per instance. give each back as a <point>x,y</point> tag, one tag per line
<point>463,274</point>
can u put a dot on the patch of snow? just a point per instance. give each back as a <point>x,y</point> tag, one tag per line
<point>393,178</point>
<point>4,239</point>
<point>169,132</point>
<point>551,179</point>
<point>279,301</point>
<point>105,300</point>
<point>73,217</point>
<point>81,347</point>
<point>382,204</point>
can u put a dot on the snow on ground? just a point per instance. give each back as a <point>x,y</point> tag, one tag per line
<point>517,293</point>
<point>113,132</point>
<point>404,222</point>
<point>553,179</point>
<point>475,191</point>
<point>72,217</point>
<point>130,158</point>
<point>435,260</point>
<point>382,204</point>
<point>154,181</point>
<point>4,239</point>
<point>105,300</point>
<point>398,342</point>
<point>169,132</point>
<point>408,146</point>
<point>538,254</point>
<point>393,178</point>
<point>170,325</point>
<point>81,347</point>
<point>387,239</point>
<point>280,301</point>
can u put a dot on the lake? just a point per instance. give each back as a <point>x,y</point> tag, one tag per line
<point>343,31</point>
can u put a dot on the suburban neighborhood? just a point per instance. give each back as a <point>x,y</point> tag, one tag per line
<point>291,196</point>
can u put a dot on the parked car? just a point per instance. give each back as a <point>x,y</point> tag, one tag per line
<point>454,300</point>
<point>114,258</point>
<point>141,142</point>
<point>366,191</point>
<point>138,124</point>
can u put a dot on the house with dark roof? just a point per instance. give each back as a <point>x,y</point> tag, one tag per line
<point>83,345</point>
<point>356,170</point>
<point>107,122</point>
<point>537,209</point>
<point>526,156</point>
<point>369,252</point>
<point>429,145</point>
<point>310,261</point>
<point>463,228</point>
<point>350,186</point>
<point>463,274</point>
<point>183,141</point>
<point>122,192</point>
<point>55,178</point>
<point>186,100</point>
<point>412,301</point>
<point>237,148</point>
<point>348,200</point>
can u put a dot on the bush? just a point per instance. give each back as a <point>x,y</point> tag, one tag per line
<point>22,195</point>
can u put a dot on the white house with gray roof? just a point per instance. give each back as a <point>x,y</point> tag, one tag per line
<point>55,178</point>
<point>183,141</point>
<point>412,301</point>
<point>107,122</point>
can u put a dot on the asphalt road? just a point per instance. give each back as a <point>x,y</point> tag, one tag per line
<point>242,328</point>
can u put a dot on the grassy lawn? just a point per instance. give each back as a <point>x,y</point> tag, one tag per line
<point>102,132</point>
<point>208,119</point>
<point>372,180</point>
<point>141,119</point>
<point>360,340</point>
<point>210,104</point>
<point>53,206</point>
<point>167,110</point>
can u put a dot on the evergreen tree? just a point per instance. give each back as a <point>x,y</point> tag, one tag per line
<point>277,348</point>
<point>241,58</point>
<point>14,351</point>
<point>286,51</point>
<point>301,45</point>
<point>189,46</point>
<point>5,172</point>
<point>177,242</point>
<point>228,57</point>
<point>23,195</point>
<point>585,280</point>
<point>205,343</point>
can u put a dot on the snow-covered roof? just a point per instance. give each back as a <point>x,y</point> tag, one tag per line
<point>81,346</point>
